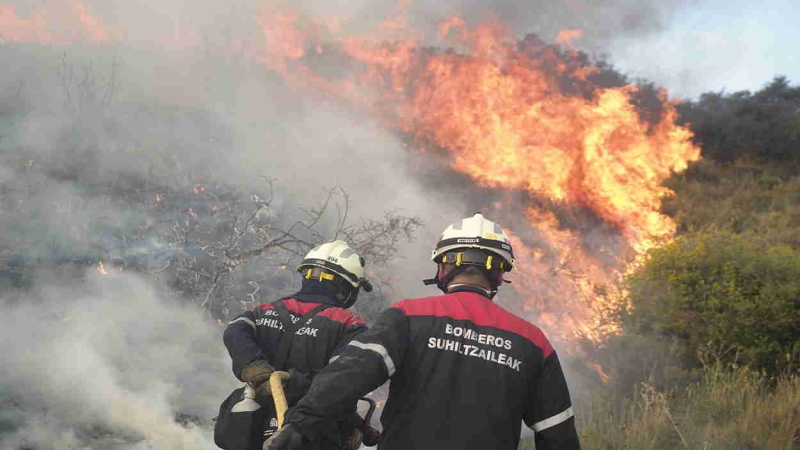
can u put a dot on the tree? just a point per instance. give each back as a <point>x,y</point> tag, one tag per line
<point>764,124</point>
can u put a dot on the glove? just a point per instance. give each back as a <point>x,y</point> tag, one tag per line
<point>257,372</point>
<point>296,386</point>
<point>287,438</point>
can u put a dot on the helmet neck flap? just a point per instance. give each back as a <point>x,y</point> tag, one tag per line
<point>318,281</point>
<point>460,260</point>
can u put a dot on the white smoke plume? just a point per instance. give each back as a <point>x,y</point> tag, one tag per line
<point>108,364</point>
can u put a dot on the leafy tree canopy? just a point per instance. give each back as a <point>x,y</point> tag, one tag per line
<point>764,124</point>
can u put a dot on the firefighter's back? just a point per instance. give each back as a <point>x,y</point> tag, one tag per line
<point>466,377</point>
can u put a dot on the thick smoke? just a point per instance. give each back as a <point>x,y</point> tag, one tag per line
<point>112,363</point>
<point>600,21</point>
<point>107,364</point>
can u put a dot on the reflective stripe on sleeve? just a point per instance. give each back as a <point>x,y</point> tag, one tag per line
<point>553,421</point>
<point>333,359</point>
<point>244,319</point>
<point>379,349</point>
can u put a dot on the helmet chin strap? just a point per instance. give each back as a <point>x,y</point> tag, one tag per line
<point>347,296</point>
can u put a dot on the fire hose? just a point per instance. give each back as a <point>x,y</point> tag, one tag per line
<point>278,395</point>
<point>369,435</point>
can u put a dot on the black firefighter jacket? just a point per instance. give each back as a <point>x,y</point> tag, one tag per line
<point>255,334</point>
<point>464,374</point>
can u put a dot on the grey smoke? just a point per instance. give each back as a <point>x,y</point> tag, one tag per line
<point>600,21</point>
<point>107,364</point>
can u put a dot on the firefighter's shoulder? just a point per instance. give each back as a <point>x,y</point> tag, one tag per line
<point>480,312</point>
<point>343,316</point>
<point>505,320</point>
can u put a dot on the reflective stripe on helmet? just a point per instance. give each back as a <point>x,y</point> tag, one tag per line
<point>318,273</point>
<point>335,258</point>
<point>475,241</point>
<point>332,266</point>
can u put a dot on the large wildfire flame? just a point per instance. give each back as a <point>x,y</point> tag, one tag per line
<point>500,109</point>
<point>516,116</point>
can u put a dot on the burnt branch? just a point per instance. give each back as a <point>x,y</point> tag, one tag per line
<point>265,240</point>
<point>85,90</point>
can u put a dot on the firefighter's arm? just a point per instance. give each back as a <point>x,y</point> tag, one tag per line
<point>354,327</point>
<point>549,413</point>
<point>367,362</point>
<point>299,383</point>
<point>240,339</point>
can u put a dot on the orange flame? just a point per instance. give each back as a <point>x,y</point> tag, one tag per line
<point>46,26</point>
<point>91,24</point>
<point>567,37</point>
<point>515,116</point>
<point>499,109</point>
<point>16,29</point>
<point>603,376</point>
<point>283,37</point>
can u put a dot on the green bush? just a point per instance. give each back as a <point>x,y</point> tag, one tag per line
<point>726,294</point>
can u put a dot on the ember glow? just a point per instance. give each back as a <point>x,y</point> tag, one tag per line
<point>516,116</point>
<point>101,268</point>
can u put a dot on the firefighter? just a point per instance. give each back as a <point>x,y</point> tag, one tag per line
<point>465,373</point>
<point>332,275</point>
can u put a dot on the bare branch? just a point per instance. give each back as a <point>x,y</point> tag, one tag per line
<point>66,75</point>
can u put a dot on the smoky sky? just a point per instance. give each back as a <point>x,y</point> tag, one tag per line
<point>600,21</point>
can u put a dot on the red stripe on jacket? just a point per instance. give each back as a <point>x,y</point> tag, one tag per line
<point>334,313</point>
<point>478,310</point>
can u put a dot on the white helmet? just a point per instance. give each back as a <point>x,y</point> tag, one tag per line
<point>476,232</point>
<point>339,258</point>
<point>473,241</point>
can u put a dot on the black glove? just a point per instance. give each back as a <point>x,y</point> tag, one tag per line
<point>257,372</point>
<point>287,438</point>
<point>296,386</point>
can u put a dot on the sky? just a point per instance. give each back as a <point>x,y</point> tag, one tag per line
<point>728,45</point>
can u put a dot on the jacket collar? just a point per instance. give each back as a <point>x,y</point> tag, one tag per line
<point>310,295</point>
<point>469,288</point>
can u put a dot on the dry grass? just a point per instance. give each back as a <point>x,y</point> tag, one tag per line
<point>733,408</point>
